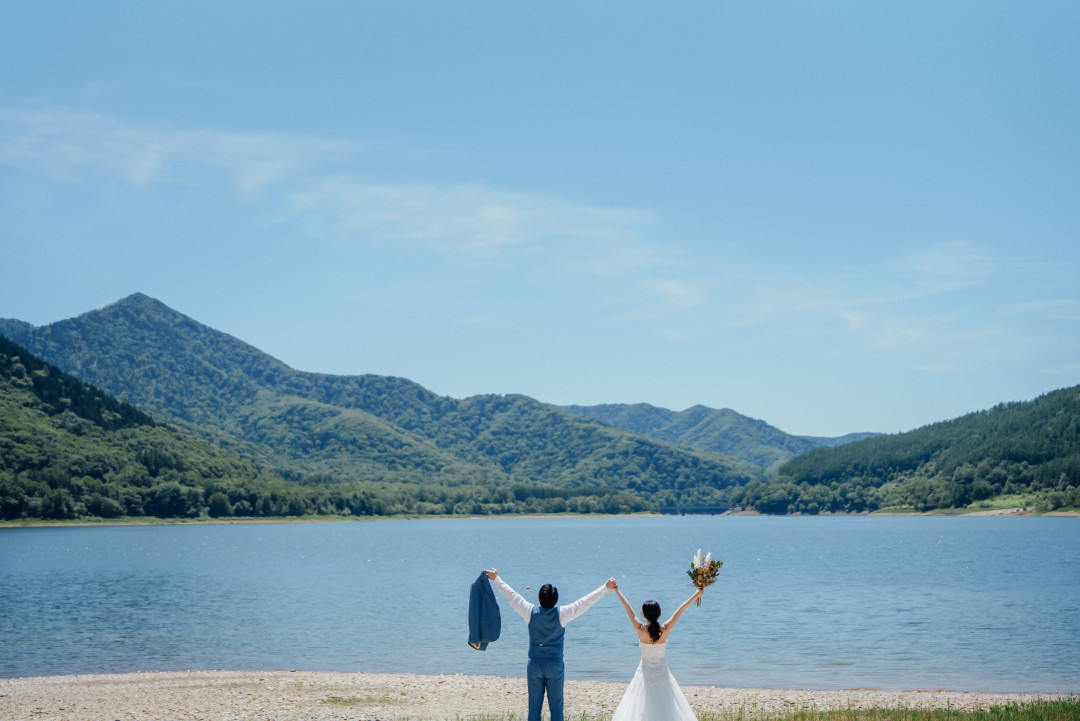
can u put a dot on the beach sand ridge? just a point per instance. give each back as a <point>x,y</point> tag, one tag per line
<point>319,696</point>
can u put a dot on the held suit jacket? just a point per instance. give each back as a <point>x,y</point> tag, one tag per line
<point>485,621</point>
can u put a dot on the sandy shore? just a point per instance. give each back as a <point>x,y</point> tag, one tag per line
<point>291,696</point>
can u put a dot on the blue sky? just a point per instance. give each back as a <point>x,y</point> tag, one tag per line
<point>834,216</point>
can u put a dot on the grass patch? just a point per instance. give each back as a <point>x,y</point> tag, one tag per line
<point>1013,500</point>
<point>1056,710</point>
<point>1065,709</point>
<point>361,701</point>
<point>228,685</point>
<point>908,510</point>
<point>347,700</point>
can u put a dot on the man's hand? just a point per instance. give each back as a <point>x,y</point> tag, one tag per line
<point>492,574</point>
<point>612,584</point>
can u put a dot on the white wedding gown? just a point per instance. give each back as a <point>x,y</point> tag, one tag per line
<point>653,693</point>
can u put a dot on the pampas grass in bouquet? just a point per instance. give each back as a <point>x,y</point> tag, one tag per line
<point>703,571</point>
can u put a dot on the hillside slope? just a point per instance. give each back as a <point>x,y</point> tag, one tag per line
<point>1027,450</point>
<point>719,431</point>
<point>69,450</point>
<point>364,428</point>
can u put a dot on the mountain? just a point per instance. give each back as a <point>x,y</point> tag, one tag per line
<point>204,424</point>
<point>69,450</point>
<point>1025,452</point>
<point>369,428</point>
<point>721,431</point>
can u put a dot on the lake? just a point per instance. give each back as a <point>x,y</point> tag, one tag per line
<point>962,603</point>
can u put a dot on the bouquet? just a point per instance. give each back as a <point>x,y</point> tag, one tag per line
<point>703,571</point>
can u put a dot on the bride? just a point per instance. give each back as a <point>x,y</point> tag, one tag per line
<point>653,693</point>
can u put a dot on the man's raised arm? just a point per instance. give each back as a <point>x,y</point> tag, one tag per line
<point>580,606</point>
<point>517,602</point>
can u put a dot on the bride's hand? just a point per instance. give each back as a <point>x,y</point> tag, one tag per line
<point>612,584</point>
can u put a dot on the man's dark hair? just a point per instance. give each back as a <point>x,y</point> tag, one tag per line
<point>549,596</point>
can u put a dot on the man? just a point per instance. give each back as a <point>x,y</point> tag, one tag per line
<point>547,624</point>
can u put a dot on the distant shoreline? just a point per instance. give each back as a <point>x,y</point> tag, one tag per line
<point>1018,512</point>
<point>290,695</point>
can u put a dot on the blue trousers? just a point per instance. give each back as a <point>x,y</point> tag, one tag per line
<point>545,676</point>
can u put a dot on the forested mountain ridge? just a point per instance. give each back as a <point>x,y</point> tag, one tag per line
<point>69,450</point>
<point>367,428</point>
<point>720,431</point>
<point>1029,450</point>
<point>233,431</point>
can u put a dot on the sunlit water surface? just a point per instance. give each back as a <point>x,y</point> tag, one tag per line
<point>803,602</point>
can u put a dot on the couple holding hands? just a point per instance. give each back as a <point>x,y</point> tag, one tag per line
<point>653,693</point>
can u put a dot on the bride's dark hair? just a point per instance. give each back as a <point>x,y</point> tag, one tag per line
<point>651,611</point>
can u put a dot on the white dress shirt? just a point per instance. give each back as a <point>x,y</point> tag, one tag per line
<point>566,613</point>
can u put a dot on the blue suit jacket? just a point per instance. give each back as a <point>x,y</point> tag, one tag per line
<point>485,621</point>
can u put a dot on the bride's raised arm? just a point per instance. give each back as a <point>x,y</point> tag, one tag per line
<point>629,610</point>
<point>670,623</point>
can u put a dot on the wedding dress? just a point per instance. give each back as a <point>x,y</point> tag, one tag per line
<point>653,693</point>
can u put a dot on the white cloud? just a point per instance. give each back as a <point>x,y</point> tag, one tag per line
<point>939,368</point>
<point>472,220</point>
<point>679,293</point>
<point>323,183</point>
<point>1065,369</point>
<point>1050,308</point>
<point>72,145</point>
<point>334,192</point>
<point>491,321</point>
<point>954,260</point>
<point>946,302</point>
<point>948,305</point>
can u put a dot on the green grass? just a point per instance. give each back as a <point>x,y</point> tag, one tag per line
<point>1033,501</point>
<point>1066,709</point>
<point>1044,710</point>
<point>384,700</point>
<point>1058,710</point>
<point>348,700</point>
<point>1013,500</point>
<point>900,510</point>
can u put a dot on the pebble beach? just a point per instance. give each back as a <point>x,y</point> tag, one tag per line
<point>292,695</point>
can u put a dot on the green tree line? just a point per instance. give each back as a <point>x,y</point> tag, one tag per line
<point>1025,449</point>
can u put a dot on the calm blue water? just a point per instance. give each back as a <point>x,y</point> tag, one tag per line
<point>804,602</point>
